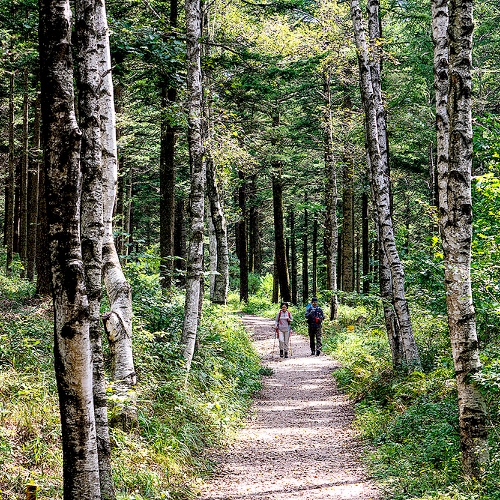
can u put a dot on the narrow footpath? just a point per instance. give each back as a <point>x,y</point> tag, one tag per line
<point>298,441</point>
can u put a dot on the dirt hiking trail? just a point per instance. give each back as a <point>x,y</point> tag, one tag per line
<point>298,441</point>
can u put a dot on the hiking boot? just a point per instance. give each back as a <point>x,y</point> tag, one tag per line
<point>318,353</point>
<point>286,354</point>
<point>312,353</point>
<point>281,353</point>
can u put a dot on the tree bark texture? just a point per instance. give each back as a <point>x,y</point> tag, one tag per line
<point>92,225</point>
<point>221,279</point>
<point>118,321</point>
<point>369,70</point>
<point>194,263</point>
<point>279,234</point>
<point>72,351</point>
<point>456,219</point>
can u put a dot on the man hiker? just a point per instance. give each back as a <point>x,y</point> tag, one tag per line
<point>282,324</point>
<point>315,317</point>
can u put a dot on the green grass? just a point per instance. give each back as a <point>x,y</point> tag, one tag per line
<point>410,422</point>
<point>164,457</point>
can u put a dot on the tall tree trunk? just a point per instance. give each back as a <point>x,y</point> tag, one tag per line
<point>242,238</point>
<point>305,254</point>
<point>43,271</point>
<point>72,350</point>
<point>315,257</point>
<point>92,226</point>
<point>33,197</point>
<point>167,171</point>
<point>293,249</point>
<point>276,283</point>
<point>221,279</point>
<point>167,186</point>
<point>117,321</point>
<point>454,126</point>
<point>180,240</point>
<point>279,234</point>
<point>9,195</point>
<point>255,244</point>
<point>17,206</point>
<point>331,223</point>
<point>365,243</point>
<point>348,227</point>
<point>23,227</point>
<point>194,264</point>
<point>377,149</point>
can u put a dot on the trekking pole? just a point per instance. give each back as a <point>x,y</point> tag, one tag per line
<point>290,343</point>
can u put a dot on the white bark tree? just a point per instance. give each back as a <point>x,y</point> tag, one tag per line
<point>88,83</point>
<point>452,34</point>
<point>72,350</point>
<point>369,69</point>
<point>194,261</point>
<point>118,321</point>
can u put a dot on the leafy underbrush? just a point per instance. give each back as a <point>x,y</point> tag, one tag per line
<point>178,420</point>
<point>411,420</point>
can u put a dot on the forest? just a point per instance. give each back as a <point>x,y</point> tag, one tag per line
<point>167,166</point>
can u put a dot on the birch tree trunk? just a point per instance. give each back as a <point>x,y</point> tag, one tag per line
<point>218,295</point>
<point>369,71</point>
<point>118,321</point>
<point>92,226</point>
<point>194,263</point>
<point>454,130</point>
<point>72,351</point>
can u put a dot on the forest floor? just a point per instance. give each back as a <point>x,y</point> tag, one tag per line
<point>298,441</point>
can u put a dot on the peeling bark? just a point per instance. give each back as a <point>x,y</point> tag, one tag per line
<point>72,350</point>
<point>118,321</point>
<point>453,85</point>
<point>369,70</point>
<point>194,263</point>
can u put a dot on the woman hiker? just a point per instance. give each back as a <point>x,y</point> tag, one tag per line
<point>282,325</point>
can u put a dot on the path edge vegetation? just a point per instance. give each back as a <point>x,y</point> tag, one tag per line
<point>408,422</point>
<point>164,457</point>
